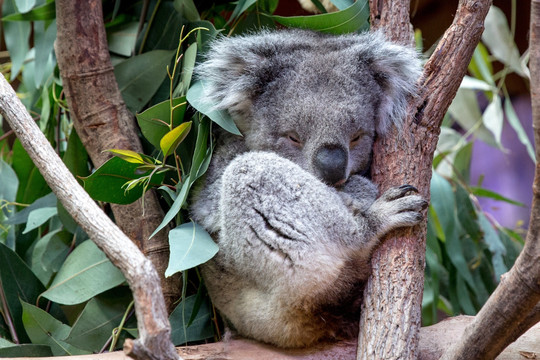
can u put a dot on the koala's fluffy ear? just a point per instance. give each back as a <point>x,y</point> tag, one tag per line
<point>236,69</point>
<point>397,69</point>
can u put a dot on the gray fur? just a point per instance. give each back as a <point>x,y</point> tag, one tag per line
<point>295,221</point>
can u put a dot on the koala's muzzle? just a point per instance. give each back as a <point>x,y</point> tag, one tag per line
<point>331,163</point>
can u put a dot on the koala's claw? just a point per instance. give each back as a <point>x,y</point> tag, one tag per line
<point>397,208</point>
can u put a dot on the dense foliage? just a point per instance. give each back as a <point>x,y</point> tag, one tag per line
<point>60,295</point>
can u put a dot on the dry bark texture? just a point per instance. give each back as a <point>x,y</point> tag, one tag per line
<point>433,341</point>
<point>513,307</point>
<point>103,122</point>
<point>154,328</point>
<point>391,311</point>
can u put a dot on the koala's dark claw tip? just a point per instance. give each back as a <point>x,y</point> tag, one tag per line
<point>407,188</point>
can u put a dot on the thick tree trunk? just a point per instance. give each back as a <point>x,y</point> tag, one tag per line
<point>154,329</point>
<point>513,307</point>
<point>103,122</point>
<point>391,311</point>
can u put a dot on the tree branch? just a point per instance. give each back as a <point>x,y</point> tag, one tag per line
<point>103,122</point>
<point>154,328</point>
<point>513,307</point>
<point>391,311</point>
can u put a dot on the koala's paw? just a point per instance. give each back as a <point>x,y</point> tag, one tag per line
<point>397,207</point>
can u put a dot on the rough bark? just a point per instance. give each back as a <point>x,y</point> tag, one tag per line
<point>103,122</point>
<point>154,328</point>
<point>513,307</point>
<point>391,311</point>
<point>433,341</point>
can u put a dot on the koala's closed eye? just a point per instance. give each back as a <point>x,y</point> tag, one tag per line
<point>294,139</point>
<point>356,139</point>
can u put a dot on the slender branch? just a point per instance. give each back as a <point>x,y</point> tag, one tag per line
<point>154,328</point>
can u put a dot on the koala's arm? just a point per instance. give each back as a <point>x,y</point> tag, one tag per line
<point>207,192</point>
<point>358,193</point>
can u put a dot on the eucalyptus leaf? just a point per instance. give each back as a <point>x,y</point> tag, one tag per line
<point>38,217</point>
<point>17,281</point>
<point>122,39</point>
<point>482,192</point>
<point>140,76</point>
<point>107,182</point>
<point>518,128</point>
<point>493,118</point>
<point>95,324</point>
<point>9,183</point>
<point>187,9</point>
<point>21,217</point>
<point>188,63</point>
<point>199,329</point>
<point>16,35</point>
<point>170,141</point>
<point>499,40</point>
<point>190,245</point>
<point>25,351</point>
<point>25,5</point>
<point>46,11</point>
<point>240,8</point>
<point>176,206</point>
<point>196,98</point>
<point>85,273</point>
<point>44,40</point>
<point>351,19</point>
<point>342,4</point>
<point>154,120</point>
<point>43,328</point>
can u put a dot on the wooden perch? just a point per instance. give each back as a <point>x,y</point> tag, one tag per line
<point>154,328</point>
<point>391,311</point>
<point>433,341</point>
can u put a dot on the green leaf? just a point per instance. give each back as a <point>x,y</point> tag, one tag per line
<point>16,36</point>
<point>170,141</point>
<point>85,273</point>
<point>342,4</point>
<point>493,118</point>
<point>176,206</point>
<point>76,157</point>
<point>153,121</point>
<point>482,192</point>
<point>128,155</point>
<point>44,47</point>
<point>39,217</point>
<point>140,76</point>
<point>21,217</point>
<point>240,8</point>
<point>480,65</point>
<point>202,154</point>
<point>17,282</point>
<point>9,182</point>
<point>518,128</point>
<point>199,329</point>
<point>122,38</point>
<point>188,63</point>
<point>198,100</point>
<point>43,328</point>
<point>95,324</point>
<point>106,183</point>
<point>44,12</point>
<point>465,110</point>
<point>25,5</point>
<point>351,19</point>
<point>187,9</point>
<point>49,253</point>
<point>499,40</point>
<point>26,350</point>
<point>190,245</point>
<point>442,200</point>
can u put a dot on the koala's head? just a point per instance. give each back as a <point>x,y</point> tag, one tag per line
<point>315,99</point>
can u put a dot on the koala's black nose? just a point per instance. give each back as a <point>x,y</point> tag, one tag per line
<point>331,163</point>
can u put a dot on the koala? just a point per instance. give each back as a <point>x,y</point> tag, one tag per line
<point>287,202</point>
